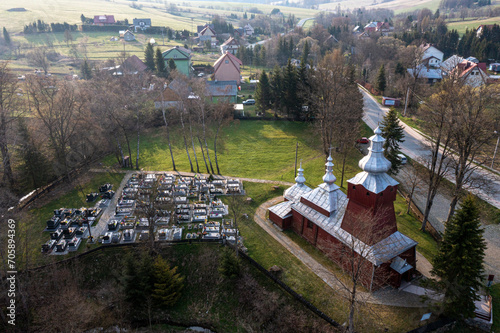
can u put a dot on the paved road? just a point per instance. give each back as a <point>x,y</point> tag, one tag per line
<point>303,21</point>
<point>415,146</point>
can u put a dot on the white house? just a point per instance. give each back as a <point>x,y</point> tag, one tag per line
<point>431,56</point>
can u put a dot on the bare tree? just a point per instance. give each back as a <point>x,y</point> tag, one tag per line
<point>337,103</point>
<point>38,57</point>
<point>411,180</point>
<point>474,113</point>
<point>352,253</point>
<point>437,121</point>
<point>10,110</point>
<point>164,114</point>
<point>220,115</point>
<point>61,107</point>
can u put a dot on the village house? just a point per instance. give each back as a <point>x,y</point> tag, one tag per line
<point>227,68</point>
<point>231,45</point>
<point>104,19</point>
<point>128,36</point>
<point>207,34</point>
<point>363,220</point>
<point>248,29</point>
<point>222,91</point>
<point>141,24</point>
<point>382,27</point>
<point>431,56</point>
<point>181,57</point>
<point>471,73</point>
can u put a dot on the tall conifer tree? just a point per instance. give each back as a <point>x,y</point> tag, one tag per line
<point>393,134</point>
<point>381,81</point>
<point>149,57</point>
<point>459,263</point>
<point>161,68</point>
<point>263,92</point>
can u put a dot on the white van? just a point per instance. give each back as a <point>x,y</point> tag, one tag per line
<point>403,159</point>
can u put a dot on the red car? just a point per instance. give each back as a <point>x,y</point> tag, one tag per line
<point>363,140</point>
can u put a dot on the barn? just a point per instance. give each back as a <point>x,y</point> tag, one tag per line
<point>357,229</point>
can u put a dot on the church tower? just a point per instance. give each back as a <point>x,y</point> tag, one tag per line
<point>370,212</point>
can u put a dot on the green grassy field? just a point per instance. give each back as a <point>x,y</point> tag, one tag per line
<point>462,26</point>
<point>188,13</point>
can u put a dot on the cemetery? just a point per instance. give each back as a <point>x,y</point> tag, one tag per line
<point>181,208</point>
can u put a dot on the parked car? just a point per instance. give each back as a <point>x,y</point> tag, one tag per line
<point>402,158</point>
<point>363,140</point>
<point>249,102</point>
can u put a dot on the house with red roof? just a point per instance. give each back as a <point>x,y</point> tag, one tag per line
<point>231,45</point>
<point>104,19</point>
<point>227,68</point>
<point>471,73</point>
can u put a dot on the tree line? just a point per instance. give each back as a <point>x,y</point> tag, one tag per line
<point>49,127</point>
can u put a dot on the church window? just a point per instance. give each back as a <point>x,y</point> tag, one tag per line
<point>353,187</point>
<point>309,224</point>
<point>367,193</point>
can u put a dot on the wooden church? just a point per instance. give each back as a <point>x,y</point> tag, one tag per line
<point>358,231</point>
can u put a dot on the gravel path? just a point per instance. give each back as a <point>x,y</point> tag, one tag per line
<point>109,211</point>
<point>387,296</point>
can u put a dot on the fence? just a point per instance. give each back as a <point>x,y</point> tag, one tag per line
<point>39,192</point>
<point>289,290</point>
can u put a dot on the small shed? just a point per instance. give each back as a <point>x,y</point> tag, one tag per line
<point>389,101</point>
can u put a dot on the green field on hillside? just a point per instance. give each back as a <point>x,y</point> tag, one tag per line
<point>184,16</point>
<point>462,26</point>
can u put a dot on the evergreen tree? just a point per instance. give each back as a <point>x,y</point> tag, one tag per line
<point>171,65</point>
<point>393,135</point>
<point>399,70</point>
<point>291,101</point>
<point>149,57</point>
<point>161,68</point>
<point>381,82</point>
<point>263,92</point>
<point>133,282</point>
<point>276,83</point>
<point>83,18</point>
<point>229,264</point>
<point>86,71</point>
<point>168,283</point>
<point>459,262</point>
<point>35,168</point>
<point>6,36</point>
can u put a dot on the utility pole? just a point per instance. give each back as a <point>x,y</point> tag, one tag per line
<point>296,153</point>
<point>406,101</point>
<point>495,153</point>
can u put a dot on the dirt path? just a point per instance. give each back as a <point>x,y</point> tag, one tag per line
<point>387,296</point>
